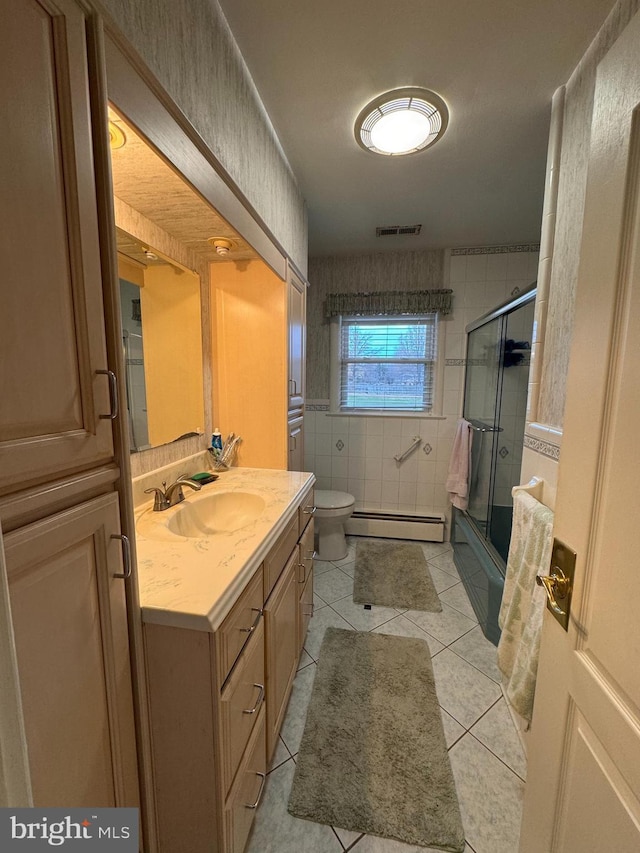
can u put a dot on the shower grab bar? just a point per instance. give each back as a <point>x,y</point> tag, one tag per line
<point>402,456</point>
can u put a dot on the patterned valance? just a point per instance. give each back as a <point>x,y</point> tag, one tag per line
<point>388,302</point>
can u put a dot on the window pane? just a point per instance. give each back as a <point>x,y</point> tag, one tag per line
<point>387,386</point>
<point>392,340</point>
<point>388,363</point>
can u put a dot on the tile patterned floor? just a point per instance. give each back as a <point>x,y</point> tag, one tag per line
<point>485,751</point>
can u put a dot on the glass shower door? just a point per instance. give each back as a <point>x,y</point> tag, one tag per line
<point>512,410</point>
<point>481,410</point>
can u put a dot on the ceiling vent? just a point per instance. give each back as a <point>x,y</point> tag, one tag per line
<point>398,230</point>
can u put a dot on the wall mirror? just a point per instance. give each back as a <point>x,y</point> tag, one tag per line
<point>166,237</point>
<point>162,345</point>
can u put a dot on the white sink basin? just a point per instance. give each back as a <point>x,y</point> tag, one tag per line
<point>203,515</point>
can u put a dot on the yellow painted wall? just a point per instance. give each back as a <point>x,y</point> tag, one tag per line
<point>170,304</point>
<point>249,335</point>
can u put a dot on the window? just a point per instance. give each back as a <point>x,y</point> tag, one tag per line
<point>385,363</point>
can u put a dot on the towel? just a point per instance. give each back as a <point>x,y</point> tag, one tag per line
<point>523,601</point>
<point>459,465</point>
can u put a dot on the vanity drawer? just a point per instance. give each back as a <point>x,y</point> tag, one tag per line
<point>241,622</point>
<point>278,556</point>
<point>244,799</point>
<point>306,511</point>
<point>240,704</point>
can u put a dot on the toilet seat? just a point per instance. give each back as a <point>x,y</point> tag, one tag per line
<point>328,500</point>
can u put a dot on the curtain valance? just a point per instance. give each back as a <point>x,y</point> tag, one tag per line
<point>390,302</point>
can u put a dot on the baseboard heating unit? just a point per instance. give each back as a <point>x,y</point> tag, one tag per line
<point>395,525</point>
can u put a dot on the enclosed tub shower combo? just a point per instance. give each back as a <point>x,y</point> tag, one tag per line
<point>495,402</point>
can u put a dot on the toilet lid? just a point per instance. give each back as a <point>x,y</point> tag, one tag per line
<point>329,499</point>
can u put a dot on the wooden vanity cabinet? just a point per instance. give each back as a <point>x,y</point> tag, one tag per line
<point>217,700</point>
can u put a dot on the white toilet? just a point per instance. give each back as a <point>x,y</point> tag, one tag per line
<point>332,510</point>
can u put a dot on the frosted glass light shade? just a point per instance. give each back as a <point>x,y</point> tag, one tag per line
<point>401,122</point>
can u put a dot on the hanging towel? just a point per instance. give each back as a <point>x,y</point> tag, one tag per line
<point>523,601</point>
<point>459,465</point>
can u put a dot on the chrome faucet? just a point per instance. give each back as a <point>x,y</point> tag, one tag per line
<point>169,496</point>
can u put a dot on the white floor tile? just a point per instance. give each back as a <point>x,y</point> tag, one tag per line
<point>333,585</point>
<point>453,731</point>
<point>322,566</point>
<point>462,690</point>
<point>445,562</point>
<point>490,797</point>
<point>305,660</point>
<point>296,714</point>
<point>475,648</point>
<point>374,844</point>
<point>321,620</point>
<point>400,626</point>
<point>280,755</point>
<point>456,596</point>
<point>361,619</point>
<point>446,626</point>
<point>442,580</point>
<point>497,732</point>
<point>276,831</point>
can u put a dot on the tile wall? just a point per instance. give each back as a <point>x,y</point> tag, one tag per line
<point>355,454</point>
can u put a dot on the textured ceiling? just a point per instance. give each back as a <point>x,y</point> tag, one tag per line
<point>496,63</point>
<point>143,180</point>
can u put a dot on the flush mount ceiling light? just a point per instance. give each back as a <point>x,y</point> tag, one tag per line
<point>400,122</point>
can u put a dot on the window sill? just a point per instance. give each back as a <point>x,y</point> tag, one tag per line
<point>380,414</point>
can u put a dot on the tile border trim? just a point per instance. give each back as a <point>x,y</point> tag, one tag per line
<point>496,250</point>
<point>545,448</point>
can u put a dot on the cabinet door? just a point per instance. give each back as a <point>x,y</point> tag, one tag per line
<point>296,320</point>
<point>69,619</point>
<point>296,444</point>
<point>281,639</point>
<point>51,321</point>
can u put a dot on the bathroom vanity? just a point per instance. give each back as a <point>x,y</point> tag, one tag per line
<point>226,588</point>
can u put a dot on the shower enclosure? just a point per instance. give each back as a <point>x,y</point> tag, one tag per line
<point>495,401</point>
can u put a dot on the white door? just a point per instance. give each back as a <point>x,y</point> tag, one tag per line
<point>583,789</point>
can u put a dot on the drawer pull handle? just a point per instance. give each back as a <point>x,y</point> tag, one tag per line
<point>263,778</point>
<point>253,627</point>
<point>310,510</point>
<point>304,573</point>
<point>312,555</point>
<point>258,702</point>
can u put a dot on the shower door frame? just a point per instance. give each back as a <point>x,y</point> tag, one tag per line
<point>501,312</point>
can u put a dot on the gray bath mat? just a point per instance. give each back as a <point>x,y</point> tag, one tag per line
<point>394,574</point>
<point>373,756</point>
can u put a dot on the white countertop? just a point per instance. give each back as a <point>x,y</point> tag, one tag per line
<point>194,582</point>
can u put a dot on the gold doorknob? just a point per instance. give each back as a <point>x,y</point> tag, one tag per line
<point>556,585</point>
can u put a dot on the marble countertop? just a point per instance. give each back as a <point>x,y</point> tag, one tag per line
<point>194,582</point>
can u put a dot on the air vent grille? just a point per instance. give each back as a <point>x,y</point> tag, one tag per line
<point>398,230</point>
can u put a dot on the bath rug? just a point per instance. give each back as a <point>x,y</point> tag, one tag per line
<point>373,756</point>
<point>394,574</point>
